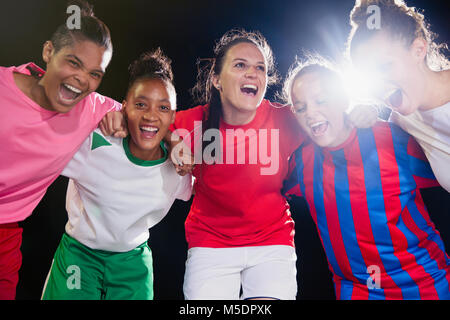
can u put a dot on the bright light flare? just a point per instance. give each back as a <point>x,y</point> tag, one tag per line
<point>360,87</point>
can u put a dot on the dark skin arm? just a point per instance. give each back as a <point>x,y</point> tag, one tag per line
<point>114,124</point>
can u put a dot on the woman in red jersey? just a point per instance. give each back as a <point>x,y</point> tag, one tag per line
<point>239,229</point>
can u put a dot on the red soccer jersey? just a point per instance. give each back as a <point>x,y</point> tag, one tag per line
<point>238,200</point>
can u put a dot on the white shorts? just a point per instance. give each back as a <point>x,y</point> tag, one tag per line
<point>262,272</point>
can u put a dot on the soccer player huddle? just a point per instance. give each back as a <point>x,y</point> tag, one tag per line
<point>128,162</point>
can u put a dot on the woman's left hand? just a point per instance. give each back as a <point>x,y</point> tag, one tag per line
<point>363,115</point>
<point>114,124</point>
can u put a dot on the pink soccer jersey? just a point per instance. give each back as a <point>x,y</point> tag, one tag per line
<point>36,144</point>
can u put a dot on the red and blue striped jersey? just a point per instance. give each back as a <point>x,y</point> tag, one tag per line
<point>364,198</point>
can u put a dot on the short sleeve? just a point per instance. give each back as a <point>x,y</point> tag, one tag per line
<point>417,162</point>
<point>77,163</point>
<point>184,191</point>
<point>101,105</point>
<point>419,165</point>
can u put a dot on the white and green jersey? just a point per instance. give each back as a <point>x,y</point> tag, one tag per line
<point>113,198</point>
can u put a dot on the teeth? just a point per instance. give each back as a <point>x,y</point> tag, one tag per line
<point>390,93</point>
<point>149,129</point>
<point>77,91</point>
<point>250,86</point>
<point>317,124</point>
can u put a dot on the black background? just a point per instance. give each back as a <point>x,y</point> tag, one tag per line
<point>186,31</point>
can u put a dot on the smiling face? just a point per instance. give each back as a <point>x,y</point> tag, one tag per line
<point>319,111</point>
<point>149,111</point>
<point>72,73</point>
<point>242,81</point>
<point>398,70</point>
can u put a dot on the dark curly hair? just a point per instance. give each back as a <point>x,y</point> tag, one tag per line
<point>401,22</point>
<point>152,65</point>
<point>91,28</point>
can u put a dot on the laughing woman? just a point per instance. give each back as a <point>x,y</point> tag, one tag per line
<point>239,229</point>
<point>120,188</point>
<point>362,189</point>
<point>44,118</point>
<point>414,75</point>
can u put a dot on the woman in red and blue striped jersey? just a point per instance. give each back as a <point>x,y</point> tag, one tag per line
<point>362,189</point>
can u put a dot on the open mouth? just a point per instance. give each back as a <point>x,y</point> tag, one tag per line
<point>319,128</point>
<point>148,132</point>
<point>69,93</point>
<point>249,90</point>
<point>395,98</point>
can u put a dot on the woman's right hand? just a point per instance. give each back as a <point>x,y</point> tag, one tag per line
<point>180,154</point>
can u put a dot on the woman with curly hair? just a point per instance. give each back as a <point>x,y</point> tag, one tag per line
<point>413,71</point>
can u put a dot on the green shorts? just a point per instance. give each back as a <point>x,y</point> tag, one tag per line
<point>81,273</point>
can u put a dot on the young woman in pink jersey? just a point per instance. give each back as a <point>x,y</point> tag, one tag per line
<point>413,73</point>
<point>44,118</point>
